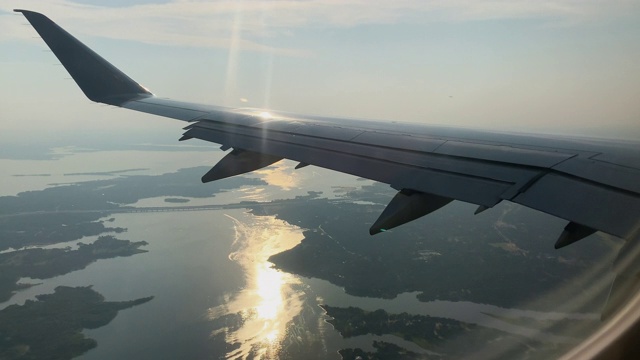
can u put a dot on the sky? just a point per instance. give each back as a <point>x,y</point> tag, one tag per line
<point>567,67</point>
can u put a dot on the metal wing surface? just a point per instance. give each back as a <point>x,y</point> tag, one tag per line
<point>594,184</point>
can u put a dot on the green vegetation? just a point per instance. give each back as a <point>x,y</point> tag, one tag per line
<point>448,255</point>
<point>353,321</point>
<point>50,328</point>
<point>430,333</point>
<point>384,351</point>
<point>51,228</point>
<point>47,263</point>
<point>433,334</point>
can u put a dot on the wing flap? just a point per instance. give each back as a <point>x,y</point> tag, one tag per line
<point>408,142</point>
<point>503,153</point>
<point>609,174</point>
<point>587,203</point>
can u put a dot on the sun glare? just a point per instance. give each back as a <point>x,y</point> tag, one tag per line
<point>280,175</point>
<point>265,115</point>
<point>269,283</point>
<point>270,300</point>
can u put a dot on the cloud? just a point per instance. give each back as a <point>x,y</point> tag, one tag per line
<point>256,25</point>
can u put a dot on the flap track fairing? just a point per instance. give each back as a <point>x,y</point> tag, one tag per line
<point>480,209</point>
<point>239,162</point>
<point>573,232</point>
<point>406,206</point>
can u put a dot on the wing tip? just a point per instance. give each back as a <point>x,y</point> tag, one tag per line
<point>25,12</point>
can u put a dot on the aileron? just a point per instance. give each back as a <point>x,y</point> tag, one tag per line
<point>586,203</point>
<point>607,174</point>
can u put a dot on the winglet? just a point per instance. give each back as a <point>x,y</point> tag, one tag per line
<point>99,80</point>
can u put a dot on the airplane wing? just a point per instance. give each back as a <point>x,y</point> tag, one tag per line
<point>594,184</point>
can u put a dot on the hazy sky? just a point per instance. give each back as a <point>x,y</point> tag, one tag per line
<point>549,66</point>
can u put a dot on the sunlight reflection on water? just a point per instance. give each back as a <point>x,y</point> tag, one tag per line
<point>280,174</point>
<point>271,299</point>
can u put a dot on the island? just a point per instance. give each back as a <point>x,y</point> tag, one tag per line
<point>41,263</point>
<point>51,327</point>
<point>433,334</point>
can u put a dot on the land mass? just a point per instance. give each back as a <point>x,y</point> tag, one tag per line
<point>428,332</point>
<point>433,334</point>
<point>70,212</point>
<point>47,263</point>
<point>448,255</point>
<point>51,327</point>
<point>384,351</point>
